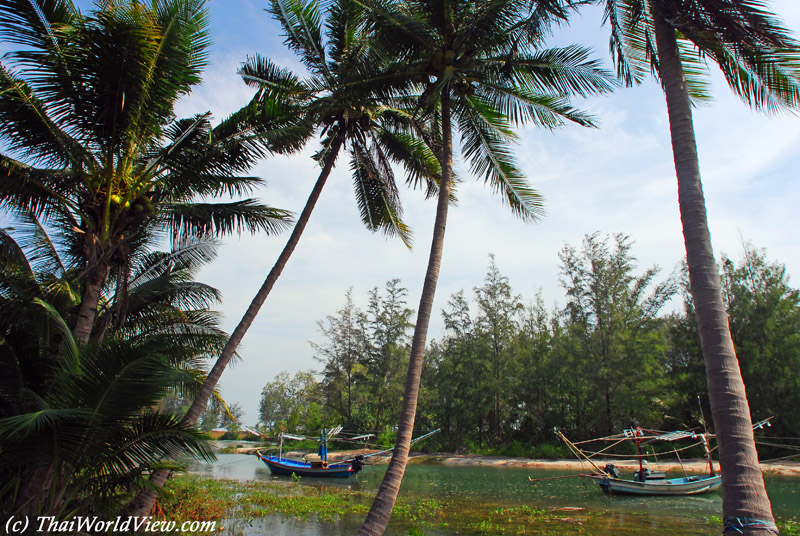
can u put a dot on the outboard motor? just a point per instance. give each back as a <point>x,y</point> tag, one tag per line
<point>358,463</point>
<point>611,470</point>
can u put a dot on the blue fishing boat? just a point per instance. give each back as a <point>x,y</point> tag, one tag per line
<point>319,466</point>
<point>285,466</point>
<point>314,466</point>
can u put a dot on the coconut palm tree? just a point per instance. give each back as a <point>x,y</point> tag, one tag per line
<point>78,423</point>
<point>759,59</point>
<point>353,114</point>
<point>347,98</point>
<point>475,76</point>
<point>89,141</point>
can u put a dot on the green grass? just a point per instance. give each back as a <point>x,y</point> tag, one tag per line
<point>190,498</point>
<point>235,504</point>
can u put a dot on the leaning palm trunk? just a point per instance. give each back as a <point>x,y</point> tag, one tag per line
<point>144,501</point>
<point>381,510</point>
<point>743,490</point>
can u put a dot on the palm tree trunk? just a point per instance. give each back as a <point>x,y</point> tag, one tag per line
<point>88,307</point>
<point>381,510</point>
<point>143,502</point>
<point>743,490</point>
<point>33,498</point>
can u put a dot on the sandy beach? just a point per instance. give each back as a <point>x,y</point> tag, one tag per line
<point>690,466</point>
<point>785,468</point>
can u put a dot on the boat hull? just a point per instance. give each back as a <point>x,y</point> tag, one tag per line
<point>287,467</point>
<point>692,485</point>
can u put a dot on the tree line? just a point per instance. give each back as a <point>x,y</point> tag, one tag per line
<point>507,370</point>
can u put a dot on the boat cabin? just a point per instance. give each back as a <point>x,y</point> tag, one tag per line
<point>315,461</point>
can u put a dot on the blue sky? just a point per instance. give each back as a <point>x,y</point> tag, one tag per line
<point>617,178</point>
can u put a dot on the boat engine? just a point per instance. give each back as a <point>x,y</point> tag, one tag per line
<point>611,470</point>
<point>358,462</point>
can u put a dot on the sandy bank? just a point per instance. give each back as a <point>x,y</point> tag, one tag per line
<point>690,466</point>
<point>786,468</point>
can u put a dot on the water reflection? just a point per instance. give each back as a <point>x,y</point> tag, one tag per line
<point>279,526</point>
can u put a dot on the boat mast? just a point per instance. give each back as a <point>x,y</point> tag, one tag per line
<point>704,437</point>
<point>638,433</point>
<point>323,446</point>
<point>711,471</point>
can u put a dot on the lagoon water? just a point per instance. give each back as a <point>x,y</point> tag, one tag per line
<point>488,487</point>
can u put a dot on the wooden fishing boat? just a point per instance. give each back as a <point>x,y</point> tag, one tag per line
<point>689,485</point>
<point>315,466</point>
<point>318,466</point>
<point>645,481</point>
<point>285,466</point>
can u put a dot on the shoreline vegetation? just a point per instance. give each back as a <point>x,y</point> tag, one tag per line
<point>693,465</point>
<point>242,507</point>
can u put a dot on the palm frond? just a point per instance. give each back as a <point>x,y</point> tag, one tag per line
<point>423,169</point>
<point>302,23</point>
<point>696,71</point>
<point>765,80</point>
<point>277,121</point>
<point>566,71</point>
<point>262,73</point>
<point>757,54</point>
<point>177,134</point>
<point>42,252</point>
<point>200,161</point>
<point>344,28</point>
<point>539,18</point>
<point>152,437</point>
<point>189,344</point>
<point>218,219</point>
<point>20,427</point>
<point>181,295</point>
<point>376,191</point>
<point>172,52</point>
<point>14,264</point>
<point>521,106</point>
<point>403,28</point>
<point>485,138</point>
<point>32,24</point>
<point>278,110</point>
<point>31,130</point>
<point>70,354</point>
<point>189,382</point>
<point>632,41</point>
<point>45,193</point>
<point>116,380</point>
<point>188,256</point>
<point>484,25</point>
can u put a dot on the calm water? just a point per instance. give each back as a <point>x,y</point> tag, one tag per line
<point>486,487</point>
